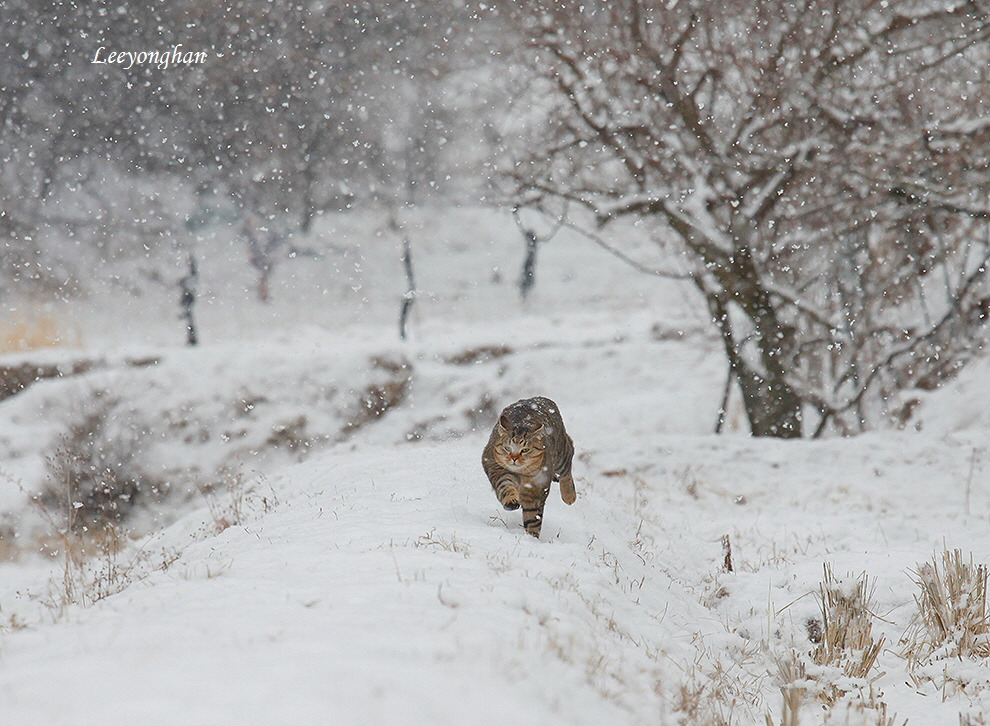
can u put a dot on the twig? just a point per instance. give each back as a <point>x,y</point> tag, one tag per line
<point>726,554</point>
<point>627,259</point>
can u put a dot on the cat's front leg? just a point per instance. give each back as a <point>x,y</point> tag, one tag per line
<point>507,490</point>
<point>532,496</point>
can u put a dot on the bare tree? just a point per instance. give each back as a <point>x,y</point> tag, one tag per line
<point>187,300</point>
<point>527,278</point>
<point>263,243</point>
<point>822,164</point>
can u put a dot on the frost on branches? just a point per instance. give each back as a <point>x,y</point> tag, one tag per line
<point>822,166</point>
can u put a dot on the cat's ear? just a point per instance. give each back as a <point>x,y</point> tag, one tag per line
<point>504,422</point>
<point>542,431</point>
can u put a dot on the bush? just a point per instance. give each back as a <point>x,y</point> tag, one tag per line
<point>93,474</point>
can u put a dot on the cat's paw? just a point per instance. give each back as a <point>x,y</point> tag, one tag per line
<point>511,499</point>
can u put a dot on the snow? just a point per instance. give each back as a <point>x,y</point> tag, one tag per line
<point>369,576</point>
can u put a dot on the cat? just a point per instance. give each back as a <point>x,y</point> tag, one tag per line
<point>527,450</point>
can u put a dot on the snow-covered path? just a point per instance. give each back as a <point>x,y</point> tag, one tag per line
<point>387,586</point>
<point>380,591</point>
<point>392,589</point>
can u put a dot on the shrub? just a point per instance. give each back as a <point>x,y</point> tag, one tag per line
<point>952,610</point>
<point>94,478</point>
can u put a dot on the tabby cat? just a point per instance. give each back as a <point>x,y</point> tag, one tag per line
<point>527,450</point>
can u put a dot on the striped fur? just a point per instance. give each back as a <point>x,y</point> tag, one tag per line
<point>528,449</point>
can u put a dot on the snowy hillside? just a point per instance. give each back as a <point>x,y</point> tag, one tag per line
<point>313,541</point>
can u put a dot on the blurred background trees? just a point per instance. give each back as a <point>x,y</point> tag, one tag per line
<point>299,109</point>
<point>818,169</point>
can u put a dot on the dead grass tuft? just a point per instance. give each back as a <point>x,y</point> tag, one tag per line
<point>231,501</point>
<point>848,647</point>
<point>790,709</point>
<point>698,705</point>
<point>433,540</point>
<point>952,610</point>
<point>793,689</point>
<point>719,690</point>
<point>863,709</point>
<point>91,565</point>
<point>95,463</point>
<point>9,547</point>
<point>226,501</point>
<point>950,627</point>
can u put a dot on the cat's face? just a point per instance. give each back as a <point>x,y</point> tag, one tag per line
<point>518,451</point>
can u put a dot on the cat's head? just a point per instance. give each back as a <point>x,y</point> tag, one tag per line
<point>520,446</point>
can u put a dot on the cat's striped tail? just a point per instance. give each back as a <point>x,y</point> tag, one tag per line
<point>567,492</point>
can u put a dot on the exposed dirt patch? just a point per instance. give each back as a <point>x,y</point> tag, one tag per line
<point>378,398</point>
<point>481,354</point>
<point>15,377</point>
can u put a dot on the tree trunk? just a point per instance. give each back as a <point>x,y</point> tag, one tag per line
<point>410,297</point>
<point>187,300</point>
<point>772,406</point>
<point>528,277</point>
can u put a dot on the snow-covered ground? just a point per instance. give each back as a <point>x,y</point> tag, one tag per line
<point>313,559</point>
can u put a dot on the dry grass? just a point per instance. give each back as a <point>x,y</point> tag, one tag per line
<point>9,546</point>
<point>862,709</point>
<point>226,503</point>
<point>433,540</point>
<point>232,501</point>
<point>720,690</point>
<point>90,564</point>
<point>950,627</point>
<point>848,647</point>
<point>97,461</point>
<point>973,719</point>
<point>94,482</point>
<point>952,610</point>
<point>35,330</point>
<point>698,705</point>
<point>840,671</point>
<point>97,564</point>
<point>863,706</point>
<point>790,709</point>
<point>793,690</point>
